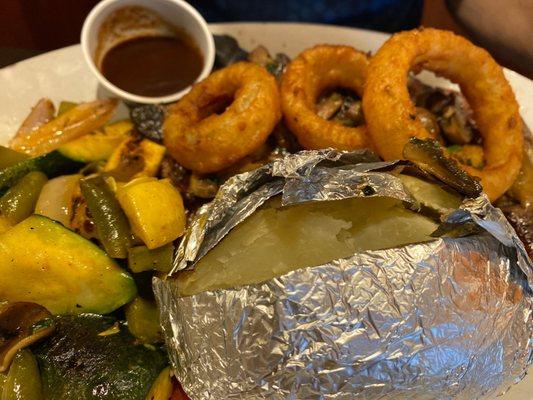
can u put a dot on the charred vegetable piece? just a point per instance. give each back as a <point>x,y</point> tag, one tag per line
<point>148,120</point>
<point>204,188</point>
<point>45,263</point>
<point>455,122</point>
<point>76,122</point>
<point>143,320</point>
<point>81,221</point>
<point>521,219</point>
<point>77,363</point>
<point>180,178</point>
<point>39,115</point>
<point>135,157</point>
<point>21,324</point>
<point>227,51</point>
<point>428,155</point>
<point>449,108</point>
<point>163,386</point>
<point>285,142</point>
<point>277,66</point>
<point>19,202</point>
<point>351,112</point>
<point>341,106</point>
<point>113,228</point>
<point>97,145</point>
<point>178,175</point>
<point>55,200</point>
<point>328,106</point>
<point>51,164</point>
<point>141,258</point>
<point>10,157</point>
<point>23,381</point>
<point>155,211</point>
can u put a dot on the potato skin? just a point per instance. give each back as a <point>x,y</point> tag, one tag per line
<point>390,114</point>
<point>307,76</point>
<point>204,141</point>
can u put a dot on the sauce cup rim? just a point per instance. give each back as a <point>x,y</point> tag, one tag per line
<point>100,8</point>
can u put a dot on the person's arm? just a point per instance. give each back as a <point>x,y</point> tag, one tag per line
<point>505,28</point>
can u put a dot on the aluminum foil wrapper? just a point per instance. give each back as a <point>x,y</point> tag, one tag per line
<point>451,318</point>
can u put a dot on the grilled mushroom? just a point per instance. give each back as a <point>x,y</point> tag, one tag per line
<point>21,324</point>
<point>428,156</point>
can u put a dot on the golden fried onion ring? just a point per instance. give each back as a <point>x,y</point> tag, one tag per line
<point>306,78</point>
<point>204,141</point>
<point>390,114</point>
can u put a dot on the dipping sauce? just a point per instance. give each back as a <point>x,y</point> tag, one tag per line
<point>153,66</point>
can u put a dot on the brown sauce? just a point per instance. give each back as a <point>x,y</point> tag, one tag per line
<point>153,66</point>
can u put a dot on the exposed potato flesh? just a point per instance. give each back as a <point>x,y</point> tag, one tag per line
<point>274,240</point>
<point>431,195</point>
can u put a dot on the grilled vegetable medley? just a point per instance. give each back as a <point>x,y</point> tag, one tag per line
<point>92,208</point>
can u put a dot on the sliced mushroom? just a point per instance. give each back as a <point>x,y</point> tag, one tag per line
<point>278,65</point>
<point>428,156</point>
<point>455,122</point>
<point>328,106</point>
<point>21,324</point>
<point>351,112</point>
<point>451,110</point>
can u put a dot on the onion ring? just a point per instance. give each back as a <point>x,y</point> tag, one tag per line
<point>307,76</point>
<point>204,141</point>
<point>391,117</point>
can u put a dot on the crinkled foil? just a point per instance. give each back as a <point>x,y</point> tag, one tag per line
<point>451,318</point>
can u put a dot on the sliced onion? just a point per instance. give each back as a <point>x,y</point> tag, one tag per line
<point>55,200</point>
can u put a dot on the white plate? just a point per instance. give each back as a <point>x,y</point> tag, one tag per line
<point>63,75</point>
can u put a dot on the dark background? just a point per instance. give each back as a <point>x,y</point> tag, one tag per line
<point>30,27</point>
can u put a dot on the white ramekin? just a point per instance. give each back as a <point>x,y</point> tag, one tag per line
<point>176,12</point>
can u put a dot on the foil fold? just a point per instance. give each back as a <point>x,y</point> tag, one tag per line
<point>451,318</point>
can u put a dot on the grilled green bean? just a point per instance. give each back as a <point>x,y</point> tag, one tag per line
<point>141,258</point>
<point>19,202</point>
<point>113,228</point>
<point>10,157</point>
